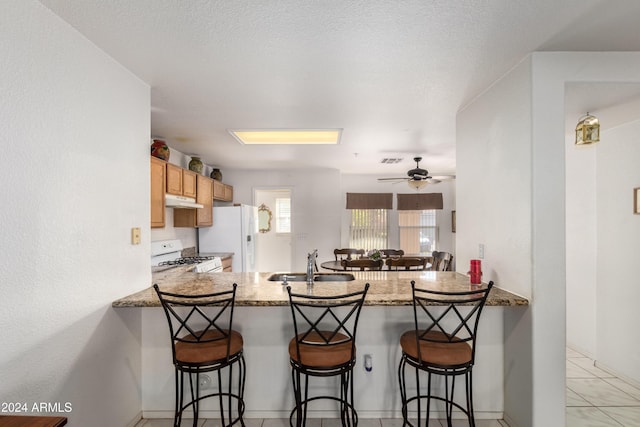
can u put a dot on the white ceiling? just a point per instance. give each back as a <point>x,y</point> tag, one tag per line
<point>392,74</point>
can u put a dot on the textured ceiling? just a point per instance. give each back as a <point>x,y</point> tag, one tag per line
<point>392,74</point>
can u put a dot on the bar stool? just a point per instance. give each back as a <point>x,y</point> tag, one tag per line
<point>202,340</point>
<point>324,345</point>
<point>442,343</point>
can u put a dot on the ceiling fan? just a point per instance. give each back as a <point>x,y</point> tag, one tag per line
<point>418,177</point>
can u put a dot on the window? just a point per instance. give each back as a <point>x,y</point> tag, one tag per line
<point>368,229</point>
<point>283,215</point>
<point>418,231</point>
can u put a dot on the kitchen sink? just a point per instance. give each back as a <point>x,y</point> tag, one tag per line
<point>334,277</point>
<point>291,277</point>
<point>320,277</point>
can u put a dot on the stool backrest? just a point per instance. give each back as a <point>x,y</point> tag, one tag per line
<point>347,253</point>
<point>200,318</point>
<point>325,321</point>
<point>362,264</point>
<point>448,317</point>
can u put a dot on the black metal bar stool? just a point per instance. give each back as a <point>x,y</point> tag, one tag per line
<point>324,345</point>
<point>202,340</point>
<point>442,343</point>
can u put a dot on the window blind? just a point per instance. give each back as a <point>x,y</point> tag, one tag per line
<point>419,202</point>
<point>369,200</point>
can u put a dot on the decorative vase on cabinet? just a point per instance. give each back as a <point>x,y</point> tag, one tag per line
<point>216,174</point>
<point>160,149</point>
<point>196,165</point>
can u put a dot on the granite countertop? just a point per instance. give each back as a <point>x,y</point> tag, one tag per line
<point>387,288</point>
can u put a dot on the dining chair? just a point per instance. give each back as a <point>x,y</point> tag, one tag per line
<point>362,264</point>
<point>442,261</point>
<point>387,253</point>
<point>406,263</point>
<point>347,253</point>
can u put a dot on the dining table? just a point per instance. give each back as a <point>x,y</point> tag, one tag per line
<point>336,265</point>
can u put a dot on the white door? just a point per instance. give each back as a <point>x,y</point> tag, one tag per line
<point>273,247</point>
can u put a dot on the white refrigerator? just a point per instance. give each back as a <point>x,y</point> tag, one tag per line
<point>234,230</point>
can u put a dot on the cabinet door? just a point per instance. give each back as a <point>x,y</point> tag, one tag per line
<point>204,216</point>
<point>174,179</point>
<point>228,193</point>
<point>158,182</point>
<point>226,264</point>
<point>218,190</point>
<point>189,186</point>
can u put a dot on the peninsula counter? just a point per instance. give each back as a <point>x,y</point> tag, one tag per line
<point>263,317</point>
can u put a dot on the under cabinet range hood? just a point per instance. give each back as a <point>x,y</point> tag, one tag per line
<point>172,201</point>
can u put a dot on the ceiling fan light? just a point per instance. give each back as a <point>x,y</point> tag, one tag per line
<point>417,185</point>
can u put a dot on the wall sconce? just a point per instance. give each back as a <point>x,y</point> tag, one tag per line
<point>587,130</point>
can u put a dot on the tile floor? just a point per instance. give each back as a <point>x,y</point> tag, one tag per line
<point>595,398</point>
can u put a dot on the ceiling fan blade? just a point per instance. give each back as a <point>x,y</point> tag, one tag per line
<point>393,179</point>
<point>443,177</point>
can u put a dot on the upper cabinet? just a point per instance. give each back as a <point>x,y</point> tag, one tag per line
<point>167,178</point>
<point>181,182</point>
<point>222,192</point>
<point>202,217</point>
<point>158,182</point>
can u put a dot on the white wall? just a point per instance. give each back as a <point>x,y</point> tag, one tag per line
<point>273,250</point>
<point>315,206</point>
<point>320,219</point>
<point>494,208</point>
<point>581,246</point>
<point>369,184</point>
<point>75,138</point>
<point>618,237</point>
<point>540,271</point>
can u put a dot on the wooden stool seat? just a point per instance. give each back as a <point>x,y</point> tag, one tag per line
<point>31,421</point>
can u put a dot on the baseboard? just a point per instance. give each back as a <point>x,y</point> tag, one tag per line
<point>617,374</point>
<point>135,420</point>
<point>325,414</point>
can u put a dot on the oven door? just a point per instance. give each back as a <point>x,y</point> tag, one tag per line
<point>213,265</point>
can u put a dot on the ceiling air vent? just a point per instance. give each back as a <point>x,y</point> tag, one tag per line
<point>391,160</point>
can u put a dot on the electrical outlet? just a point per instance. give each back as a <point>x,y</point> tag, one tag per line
<point>368,363</point>
<point>481,251</point>
<point>135,236</point>
<point>205,381</point>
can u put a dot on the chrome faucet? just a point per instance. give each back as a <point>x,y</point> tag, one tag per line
<point>311,260</point>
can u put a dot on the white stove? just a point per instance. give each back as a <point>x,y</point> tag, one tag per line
<point>169,253</point>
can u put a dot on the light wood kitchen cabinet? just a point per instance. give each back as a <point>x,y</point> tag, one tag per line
<point>189,184</point>
<point>226,264</point>
<point>158,186</point>
<point>228,193</point>
<point>180,182</point>
<point>202,217</point>
<point>222,192</point>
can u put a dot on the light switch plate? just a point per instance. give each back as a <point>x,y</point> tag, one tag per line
<point>135,236</point>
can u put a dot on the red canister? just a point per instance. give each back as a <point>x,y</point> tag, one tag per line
<point>475,272</point>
